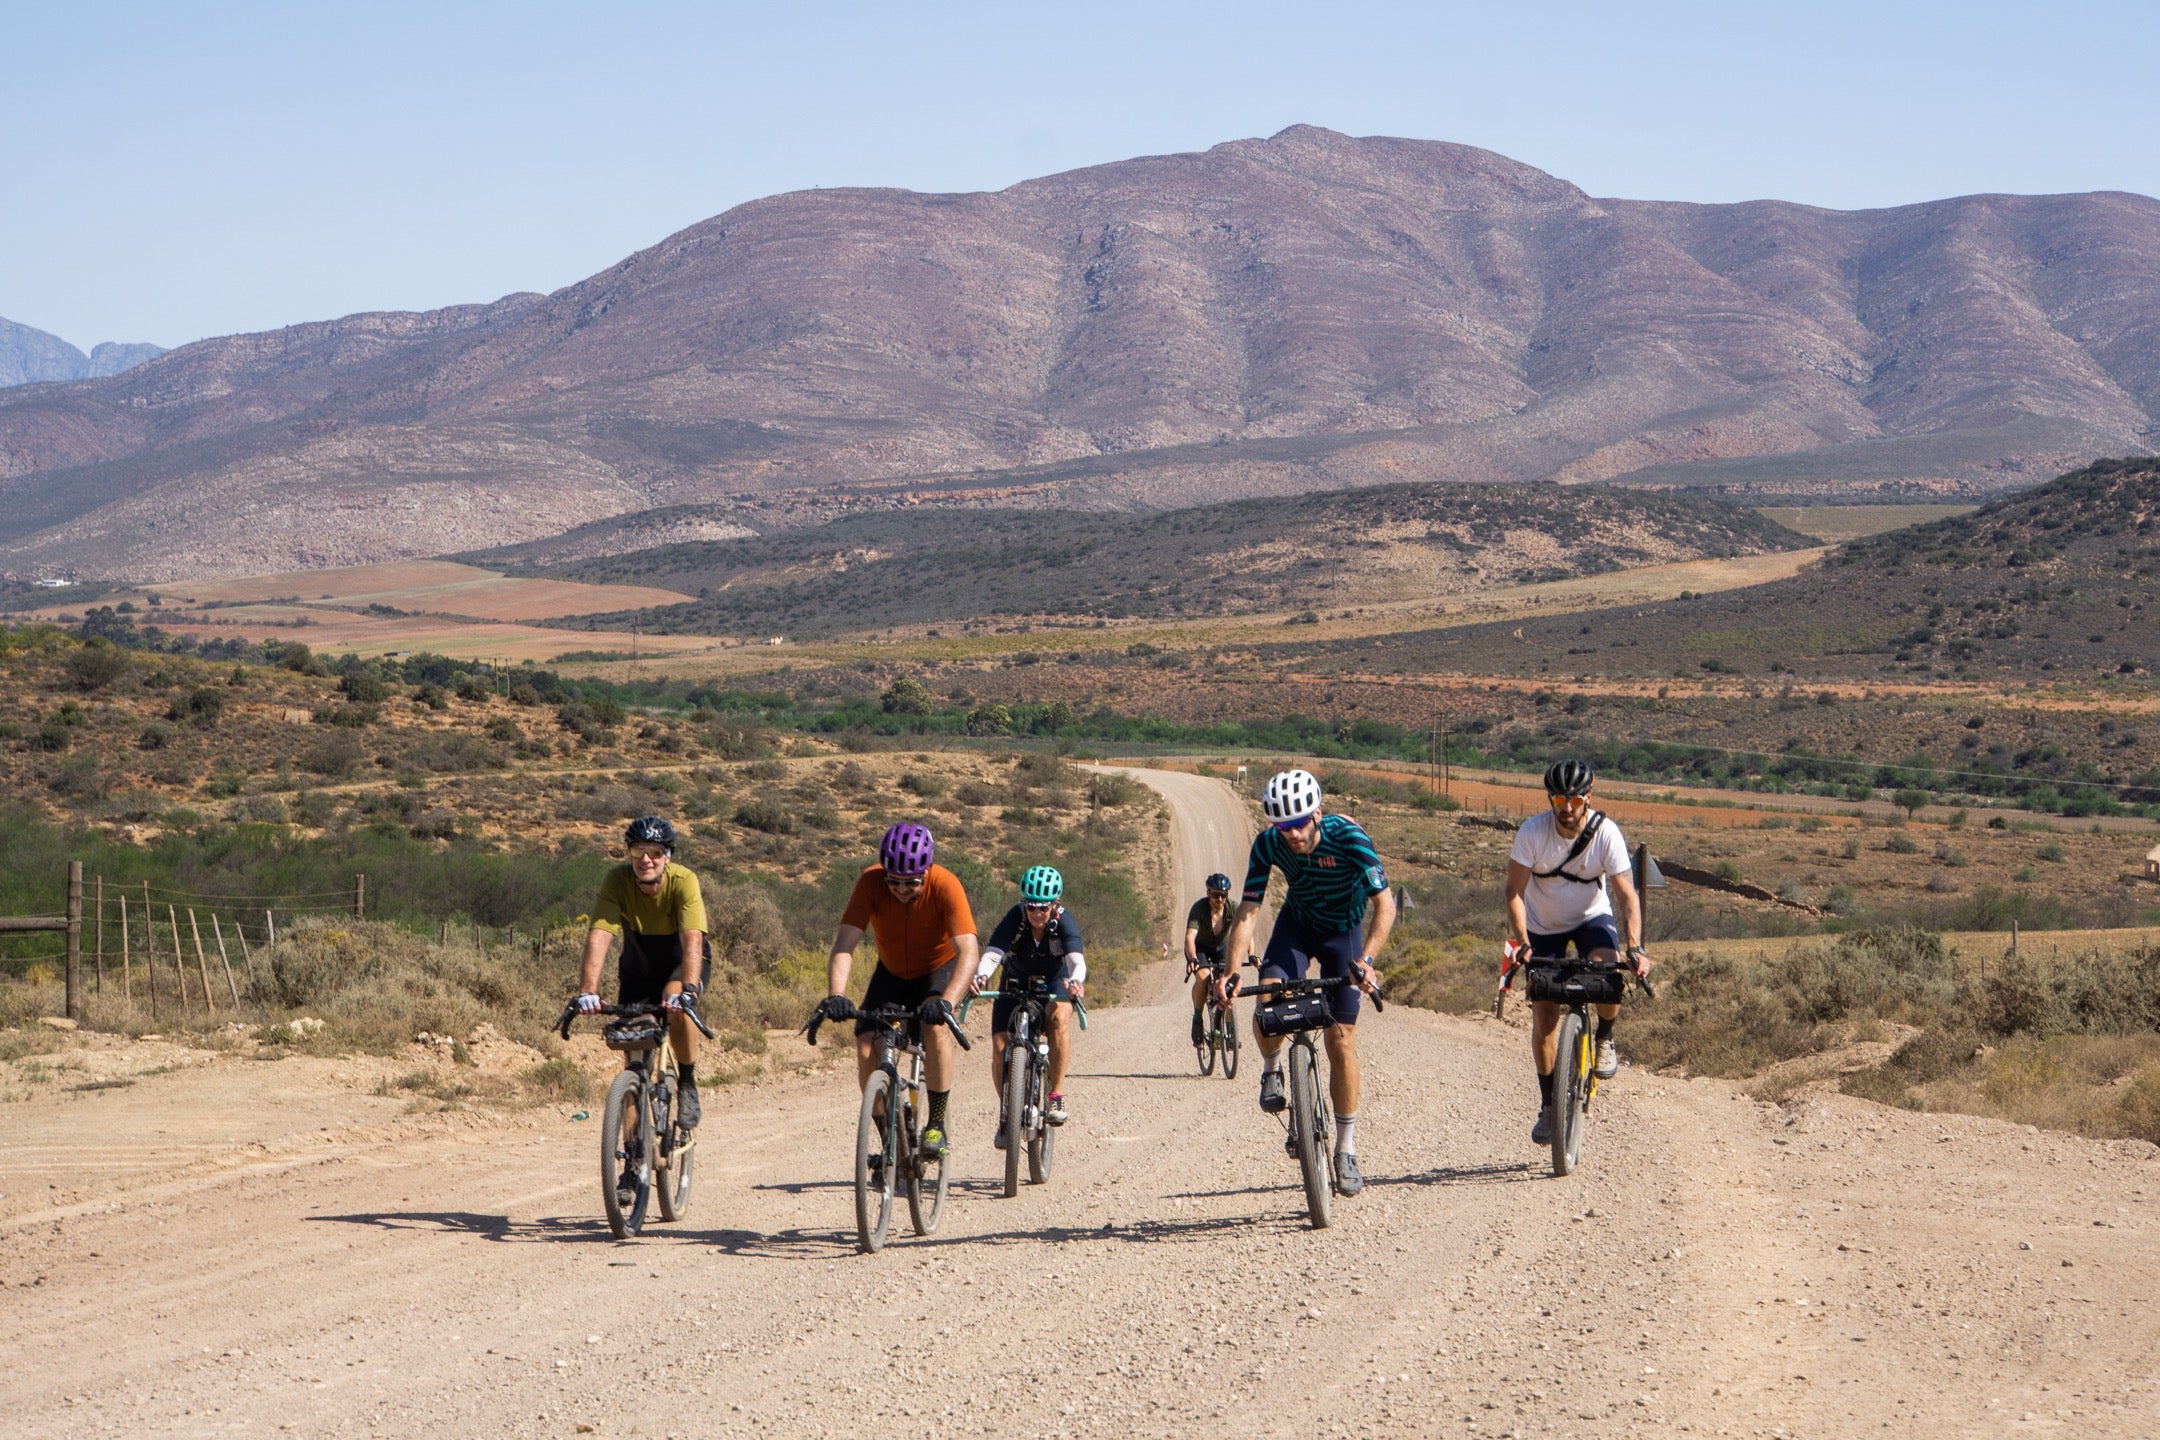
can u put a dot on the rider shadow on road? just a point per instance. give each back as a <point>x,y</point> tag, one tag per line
<point>804,1187</point>
<point>550,1230</point>
<point>1461,1175</point>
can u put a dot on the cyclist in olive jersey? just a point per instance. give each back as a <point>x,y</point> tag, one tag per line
<point>1333,875</point>
<point>654,907</point>
<point>918,911</point>
<point>1207,938</point>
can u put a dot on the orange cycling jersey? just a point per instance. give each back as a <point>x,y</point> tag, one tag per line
<point>914,937</point>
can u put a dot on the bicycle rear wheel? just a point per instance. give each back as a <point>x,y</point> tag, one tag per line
<point>1204,1052</point>
<point>925,1177</point>
<point>673,1178</point>
<point>1567,1081</point>
<point>1230,1045</point>
<point>1042,1141</point>
<point>1305,1125</point>
<point>620,1149</point>
<point>1015,1106</point>
<point>873,1181</point>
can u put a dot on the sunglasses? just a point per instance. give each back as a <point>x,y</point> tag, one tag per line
<point>1291,827</point>
<point>1031,906</point>
<point>647,852</point>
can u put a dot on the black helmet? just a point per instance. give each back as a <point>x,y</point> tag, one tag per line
<point>1218,884</point>
<point>652,830</point>
<point>1569,777</point>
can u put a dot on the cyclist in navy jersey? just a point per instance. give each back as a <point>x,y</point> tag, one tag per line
<point>1335,881</point>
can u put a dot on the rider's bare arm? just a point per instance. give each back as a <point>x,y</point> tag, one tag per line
<point>1627,909</point>
<point>693,958</point>
<point>1192,949</point>
<point>597,944</point>
<point>1518,914</point>
<point>842,959</point>
<point>1378,926</point>
<point>968,950</point>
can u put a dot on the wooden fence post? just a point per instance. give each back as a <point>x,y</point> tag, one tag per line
<point>202,963</point>
<point>269,930</point>
<point>230,984</point>
<point>172,918</point>
<point>74,940</point>
<point>240,931</point>
<point>101,934</point>
<point>359,897</point>
<point>149,931</point>
<point>127,964</point>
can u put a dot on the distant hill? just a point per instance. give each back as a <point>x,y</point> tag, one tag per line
<point>1340,548</point>
<point>1307,312</point>
<point>28,356</point>
<point>2059,581</point>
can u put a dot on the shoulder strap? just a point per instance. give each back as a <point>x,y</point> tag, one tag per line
<point>1582,843</point>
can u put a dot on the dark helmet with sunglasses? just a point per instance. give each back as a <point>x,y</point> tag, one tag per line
<point>650,830</point>
<point>1569,778</point>
<point>1291,798</point>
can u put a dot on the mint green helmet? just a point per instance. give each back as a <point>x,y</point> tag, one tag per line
<point>1041,885</point>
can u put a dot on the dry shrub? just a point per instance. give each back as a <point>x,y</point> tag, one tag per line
<point>378,985</point>
<point>560,1079</point>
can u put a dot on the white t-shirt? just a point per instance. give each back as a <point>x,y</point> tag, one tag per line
<point>1557,906</point>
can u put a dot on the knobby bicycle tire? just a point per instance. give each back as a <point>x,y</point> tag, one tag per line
<point>675,1158</point>
<point>1042,1140</point>
<point>1015,1105</point>
<point>625,1100</point>
<point>1230,1044</point>
<point>925,1191</point>
<point>1305,1125</point>
<point>873,1192</point>
<point>1567,1082</point>
<point>1204,1052</point>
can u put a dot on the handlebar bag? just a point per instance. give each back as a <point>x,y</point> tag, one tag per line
<point>1293,1013</point>
<point>1564,986</point>
<point>637,1032</point>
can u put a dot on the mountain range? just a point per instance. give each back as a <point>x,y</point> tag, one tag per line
<point>28,356</point>
<point>1310,311</point>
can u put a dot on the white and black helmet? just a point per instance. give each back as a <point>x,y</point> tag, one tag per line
<point>1291,795</point>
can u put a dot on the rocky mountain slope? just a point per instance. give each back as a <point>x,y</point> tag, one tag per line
<point>1309,311</point>
<point>2058,582</point>
<point>1390,542</point>
<point>28,356</point>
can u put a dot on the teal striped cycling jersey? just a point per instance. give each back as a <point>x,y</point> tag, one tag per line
<point>1328,888</point>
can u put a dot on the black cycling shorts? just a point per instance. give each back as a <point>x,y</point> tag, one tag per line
<point>643,981</point>
<point>1588,938</point>
<point>887,988</point>
<point>1292,948</point>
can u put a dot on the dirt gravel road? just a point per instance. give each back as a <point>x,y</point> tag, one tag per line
<point>1718,1266</point>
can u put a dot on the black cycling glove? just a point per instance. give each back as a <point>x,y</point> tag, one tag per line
<point>936,1010</point>
<point>837,1007</point>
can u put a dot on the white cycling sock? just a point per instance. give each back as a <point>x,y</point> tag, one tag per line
<point>1345,1134</point>
<point>1269,1064</point>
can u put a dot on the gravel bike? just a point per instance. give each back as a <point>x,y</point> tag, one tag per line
<point>1218,1033</point>
<point>1298,1008</point>
<point>1577,985</point>
<point>640,1137</point>
<point>888,1130</point>
<point>1023,1101</point>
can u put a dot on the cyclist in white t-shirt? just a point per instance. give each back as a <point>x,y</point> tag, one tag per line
<point>1565,877</point>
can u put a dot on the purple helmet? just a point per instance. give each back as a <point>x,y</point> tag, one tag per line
<point>907,849</point>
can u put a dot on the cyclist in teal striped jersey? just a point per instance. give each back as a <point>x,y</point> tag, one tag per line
<point>1335,881</point>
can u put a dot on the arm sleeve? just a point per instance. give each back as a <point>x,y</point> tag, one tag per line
<point>862,898</point>
<point>1257,866</point>
<point>607,911</point>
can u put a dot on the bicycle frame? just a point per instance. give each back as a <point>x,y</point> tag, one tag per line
<point>1309,1110</point>
<point>662,1150</point>
<point>888,1145</point>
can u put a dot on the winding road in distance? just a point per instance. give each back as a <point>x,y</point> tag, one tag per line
<point>1718,1266</point>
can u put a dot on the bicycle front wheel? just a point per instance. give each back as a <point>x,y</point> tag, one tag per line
<point>1015,1106</point>
<point>1567,1085</point>
<point>1042,1140</point>
<point>1305,1126</point>
<point>621,1153</point>
<point>1230,1046</point>
<point>674,1177</point>
<point>873,1166</point>
<point>925,1178</point>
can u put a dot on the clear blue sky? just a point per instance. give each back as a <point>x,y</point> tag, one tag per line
<point>170,171</point>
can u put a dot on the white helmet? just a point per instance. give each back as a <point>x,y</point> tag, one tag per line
<point>1291,795</point>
